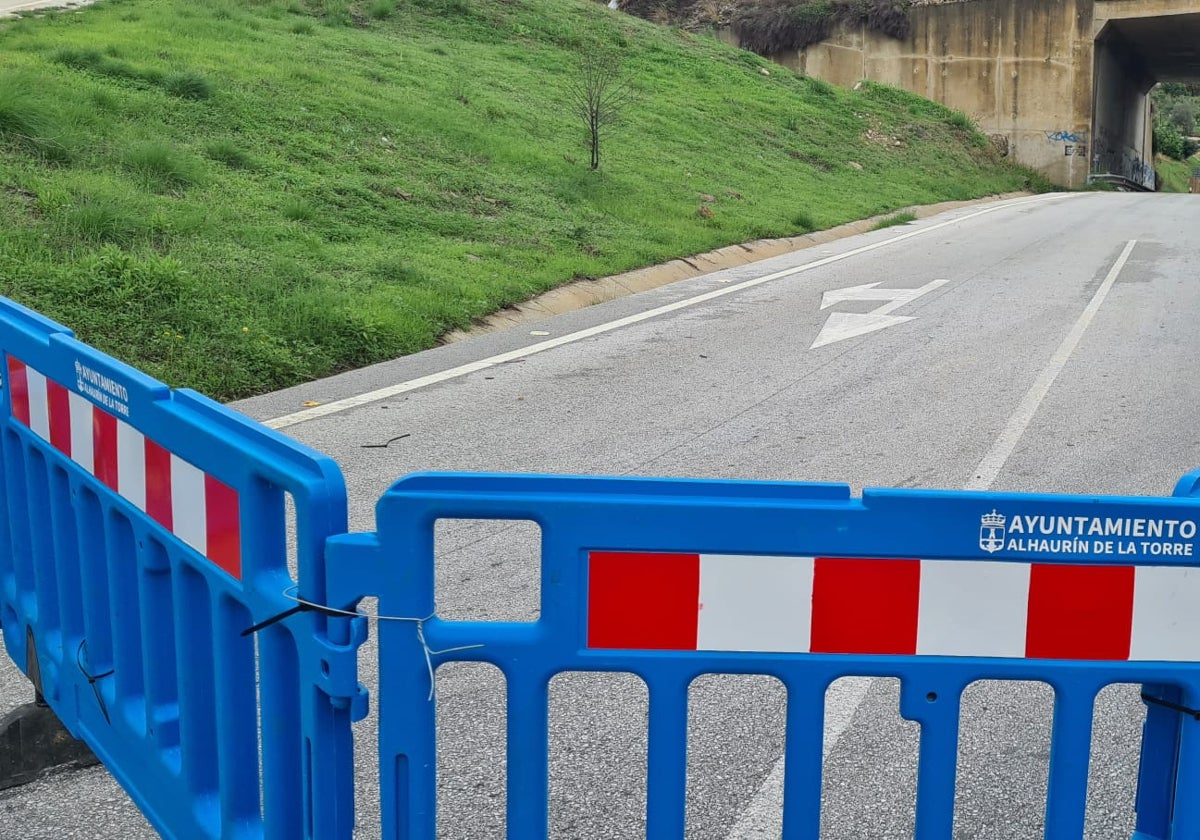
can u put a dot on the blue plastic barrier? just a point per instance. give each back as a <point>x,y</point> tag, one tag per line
<point>670,580</point>
<point>144,548</point>
<point>142,533</point>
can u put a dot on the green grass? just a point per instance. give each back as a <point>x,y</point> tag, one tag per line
<point>382,9</point>
<point>188,84</point>
<point>240,196</point>
<point>1176,175</point>
<point>228,152</point>
<point>892,221</point>
<point>161,166</point>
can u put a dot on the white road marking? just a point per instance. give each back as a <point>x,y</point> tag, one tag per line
<point>842,325</point>
<point>867,291</point>
<point>483,364</point>
<point>762,817</point>
<point>989,468</point>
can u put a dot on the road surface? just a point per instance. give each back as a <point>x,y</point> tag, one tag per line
<point>1045,344</point>
<point>10,8</point>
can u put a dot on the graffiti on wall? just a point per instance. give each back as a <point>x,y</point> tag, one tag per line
<point>1067,136</point>
<point>1124,161</point>
<point>1074,143</point>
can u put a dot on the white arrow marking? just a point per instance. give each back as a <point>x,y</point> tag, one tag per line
<point>867,291</point>
<point>842,325</point>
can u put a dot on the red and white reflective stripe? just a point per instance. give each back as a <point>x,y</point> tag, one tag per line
<point>717,602</point>
<point>194,506</point>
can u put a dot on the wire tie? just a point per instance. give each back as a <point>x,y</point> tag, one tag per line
<point>304,606</point>
<point>80,654</point>
<point>1175,707</point>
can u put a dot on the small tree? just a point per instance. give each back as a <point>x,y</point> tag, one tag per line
<point>599,95</point>
<point>1182,112</point>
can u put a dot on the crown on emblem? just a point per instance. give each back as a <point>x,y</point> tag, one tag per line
<point>993,520</point>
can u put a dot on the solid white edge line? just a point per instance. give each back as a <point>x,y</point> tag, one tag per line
<point>524,352</point>
<point>761,819</point>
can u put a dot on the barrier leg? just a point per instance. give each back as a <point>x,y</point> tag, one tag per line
<point>1070,755</point>
<point>666,794</point>
<point>1157,771</point>
<point>33,740</point>
<point>1185,822</point>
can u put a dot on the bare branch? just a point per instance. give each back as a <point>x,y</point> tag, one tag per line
<point>598,94</point>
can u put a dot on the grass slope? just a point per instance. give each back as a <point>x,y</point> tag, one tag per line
<point>1176,174</point>
<point>237,196</point>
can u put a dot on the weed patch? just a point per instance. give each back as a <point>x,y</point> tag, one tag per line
<point>162,166</point>
<point>382,9</point>
<point>230,153</point>
<point>298,211</point>
<point>24,118</point>
<point>893,221</point>
<point>187,84</point>
<point>95,221</point>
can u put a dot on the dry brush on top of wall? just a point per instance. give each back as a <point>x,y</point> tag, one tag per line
<point>774,26</point>
<point>770,27</point>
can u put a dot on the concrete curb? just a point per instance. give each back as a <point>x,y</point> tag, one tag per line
<point>584,293</point>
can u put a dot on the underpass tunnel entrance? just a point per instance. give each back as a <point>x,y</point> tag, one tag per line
<point>1132,55</point>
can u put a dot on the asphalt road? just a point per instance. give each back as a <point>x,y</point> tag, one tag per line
<point>732,387</point>
<point>13,7</point>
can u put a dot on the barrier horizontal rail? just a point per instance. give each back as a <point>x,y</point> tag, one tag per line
<point>142,532</point>
<point>670,580</point>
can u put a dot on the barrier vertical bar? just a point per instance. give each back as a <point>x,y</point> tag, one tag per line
<point>62,515</point>
<point>1070,756</point>
<point>528,747</point>
<point>235,703</point>
<point>96,641</point>
<point>666,758</point>
<point>1185,821</point>
<point>937,762</point>
<point>17,469</point>
<point>196,705</point>
<point>804,762</point>
<point>1159,760</point>
<point>161,667</point>
<point>45,586</point>
<point>281,754</point>
<point>408,735</point>
<point>127,628</point>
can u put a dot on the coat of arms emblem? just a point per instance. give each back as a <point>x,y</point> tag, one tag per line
<point>991,531</point>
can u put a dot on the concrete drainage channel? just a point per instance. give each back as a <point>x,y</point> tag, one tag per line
<point>584,293</point>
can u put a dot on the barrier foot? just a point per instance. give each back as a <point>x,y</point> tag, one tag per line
<point>33,742</point>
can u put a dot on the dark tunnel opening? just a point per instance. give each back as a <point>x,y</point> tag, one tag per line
<point>1133,55</point>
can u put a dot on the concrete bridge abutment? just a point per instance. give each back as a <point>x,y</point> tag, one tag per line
<point>1062,86</point>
